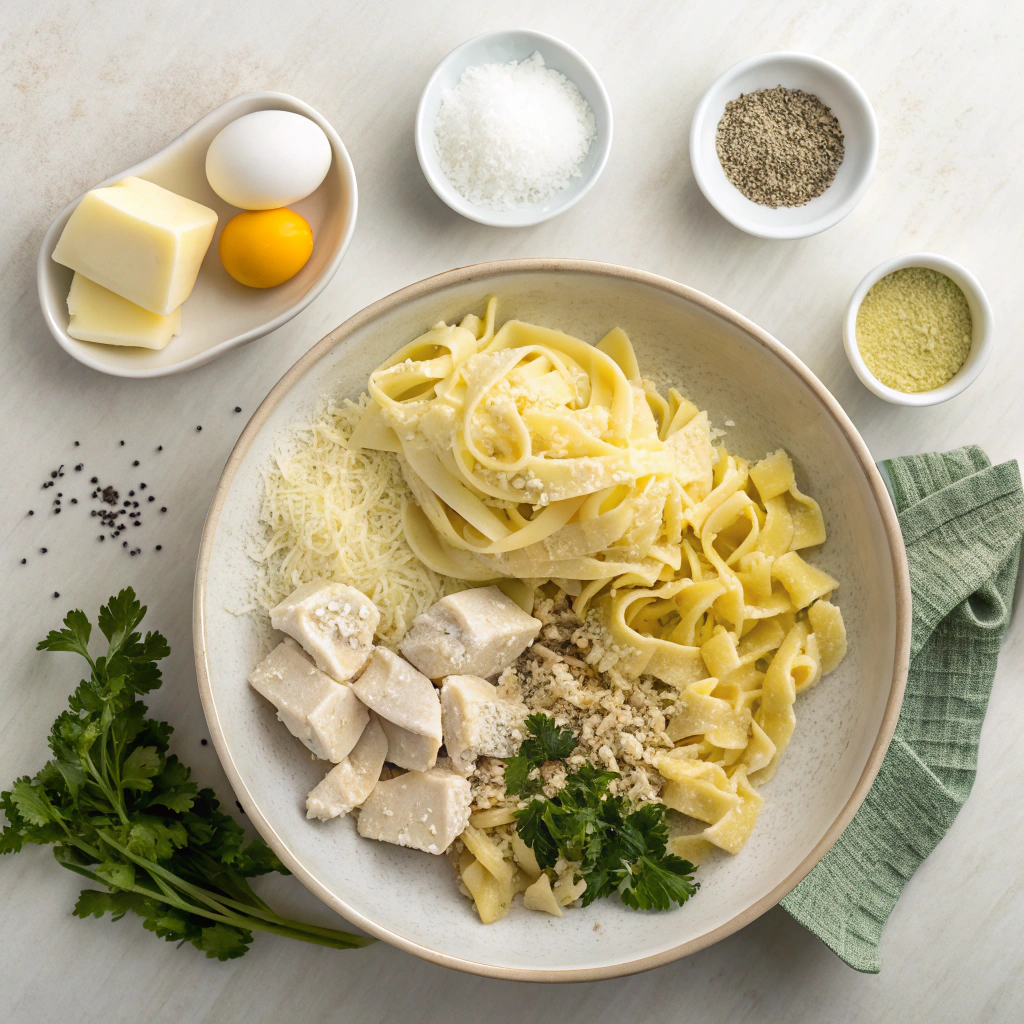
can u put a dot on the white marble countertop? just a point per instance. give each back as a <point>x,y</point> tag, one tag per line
<point>89,88</point>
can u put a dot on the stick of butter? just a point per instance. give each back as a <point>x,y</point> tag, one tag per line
<point>140,241</point>
<point>97,314</point>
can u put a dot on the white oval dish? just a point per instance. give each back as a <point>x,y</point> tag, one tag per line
<point>500,48</point>
<point>838,91</point>
<point>982,330</point>
<point>220,314</point>
<point>736,371</point>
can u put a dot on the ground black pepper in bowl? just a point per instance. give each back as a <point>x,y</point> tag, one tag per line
<point>779,147</point>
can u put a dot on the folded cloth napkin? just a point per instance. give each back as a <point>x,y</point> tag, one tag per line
<point>962,521</point>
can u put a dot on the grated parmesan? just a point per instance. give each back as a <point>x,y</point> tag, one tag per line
<point>334,512</point>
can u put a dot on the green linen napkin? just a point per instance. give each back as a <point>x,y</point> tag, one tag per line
<point>962,521</point>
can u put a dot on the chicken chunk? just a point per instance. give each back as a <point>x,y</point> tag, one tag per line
<point>475,632</point>
<point>401,695</point>
<point>326,715</point>
<point>409,749</point>
<point>423,810</point>
<point>333,622</point>
<point>475,721</point>
<point>350,781</point>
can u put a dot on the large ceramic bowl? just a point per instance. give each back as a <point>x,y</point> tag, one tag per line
<point>740,374</point>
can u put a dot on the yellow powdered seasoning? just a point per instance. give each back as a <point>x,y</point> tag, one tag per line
<point>914,329</point>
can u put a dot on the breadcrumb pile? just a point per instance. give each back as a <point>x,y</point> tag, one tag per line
<point>575,673</point>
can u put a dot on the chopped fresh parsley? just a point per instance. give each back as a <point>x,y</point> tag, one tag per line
<point>122,812</point>
<point>612,847</point>
<point>546,742</point>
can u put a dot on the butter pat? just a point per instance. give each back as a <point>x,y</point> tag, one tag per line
<point>140,241</point>
<point>98,314</point>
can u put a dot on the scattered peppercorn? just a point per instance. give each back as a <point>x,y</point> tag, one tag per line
<point>24,560</point>
<point>78,468</point>
<point>76,444</point>
<point>198,428</point>
<point>238,408</point>
<point>122,444</point>
<point>42,551</point>
<point>159,547</point>
<point>152,497</point>
<point>94,480</point>
<point>203,742</point>
<point>56,593</point>
<point>159,447</point>
<point>31,511</point>
<point>163,508</point>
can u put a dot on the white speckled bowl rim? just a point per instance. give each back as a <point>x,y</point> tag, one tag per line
<point>895,557</point>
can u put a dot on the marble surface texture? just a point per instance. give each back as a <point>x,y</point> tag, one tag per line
<point>90,87</point>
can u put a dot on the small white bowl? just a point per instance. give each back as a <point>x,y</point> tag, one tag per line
<point>220,314</point>
<point>839,92</point>
<point>500,48</point>
<point>981,339</point>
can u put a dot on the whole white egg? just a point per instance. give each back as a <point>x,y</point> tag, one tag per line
<point>268,159</point>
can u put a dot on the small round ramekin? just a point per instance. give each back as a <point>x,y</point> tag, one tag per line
<point>500,48</point>
<point>981,338</point>
<point>839,92</point>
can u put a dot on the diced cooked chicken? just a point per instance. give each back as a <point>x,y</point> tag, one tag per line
<point>333,622</point>
<point>401,695</point>
<point>326,715</point>
<point>409,749</point>
<point>352,780</point>
<point>424,810</point>
<point>475,632</point>
<point>475,721</point>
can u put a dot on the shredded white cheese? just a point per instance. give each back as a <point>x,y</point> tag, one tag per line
<point>334,512</point>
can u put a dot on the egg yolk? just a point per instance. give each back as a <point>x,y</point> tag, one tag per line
<point>263,248</point>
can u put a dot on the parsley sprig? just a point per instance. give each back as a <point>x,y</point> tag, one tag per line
<point>613,847</point>
<point>121,811</point>
<point>546,742</point>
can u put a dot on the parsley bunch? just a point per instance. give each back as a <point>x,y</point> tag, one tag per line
<point>613,847</point>
<point>122,812</point>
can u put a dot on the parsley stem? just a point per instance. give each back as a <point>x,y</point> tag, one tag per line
<point>220,907</point>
